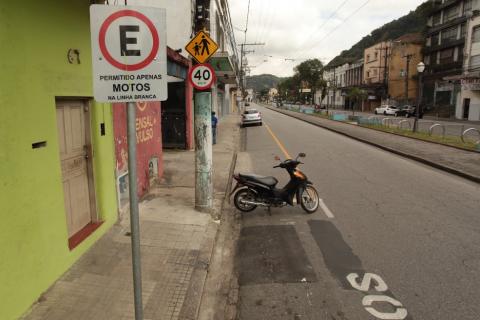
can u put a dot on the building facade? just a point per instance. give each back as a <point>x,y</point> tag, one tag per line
<point>444,49</point>
<point>353,79</point>
<point>405,54</point>
<point>336,82</point>
<point>225,61</point>
<point>177,110</point>
<point>468,103</point>
<point>57,158</point>
<point>375,73</point>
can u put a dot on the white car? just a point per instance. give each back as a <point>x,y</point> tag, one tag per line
<point>386,109</point>
<point>251,117</point>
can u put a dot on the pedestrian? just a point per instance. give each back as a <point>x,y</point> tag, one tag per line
<point>214,127</point>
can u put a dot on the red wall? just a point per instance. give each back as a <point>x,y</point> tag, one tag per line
<point>149,140</point>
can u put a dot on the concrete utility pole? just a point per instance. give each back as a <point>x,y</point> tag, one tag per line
<point>242,71</point>
<point>407,70</point>
<point>334,88</point>
<point>385,70</point>
<point>203,127</point>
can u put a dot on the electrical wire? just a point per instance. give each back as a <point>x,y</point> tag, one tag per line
<point>336,28</point>
<point>339,25</point>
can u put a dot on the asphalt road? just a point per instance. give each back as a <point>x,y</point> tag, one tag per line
<point>395,239</point>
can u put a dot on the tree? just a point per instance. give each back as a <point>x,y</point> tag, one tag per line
<point>288,88</point>
<point>357,95</point>
<point>310,72</point>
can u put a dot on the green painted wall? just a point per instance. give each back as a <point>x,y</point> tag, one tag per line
<point>35,37</point>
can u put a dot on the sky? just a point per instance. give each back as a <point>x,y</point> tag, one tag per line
<point>304,29</point>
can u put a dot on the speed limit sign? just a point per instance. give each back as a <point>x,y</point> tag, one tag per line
<point>202,76</point>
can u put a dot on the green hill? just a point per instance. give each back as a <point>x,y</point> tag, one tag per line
<point>263,81</point>
<point>415,21</point>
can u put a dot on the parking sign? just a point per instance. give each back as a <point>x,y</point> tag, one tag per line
<point>129,53</point>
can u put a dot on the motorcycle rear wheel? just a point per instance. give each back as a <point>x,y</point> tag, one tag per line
<point>244,194</point>
<point>309,199</point>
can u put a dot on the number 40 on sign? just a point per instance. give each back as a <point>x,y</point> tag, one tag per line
<point>202,76</point>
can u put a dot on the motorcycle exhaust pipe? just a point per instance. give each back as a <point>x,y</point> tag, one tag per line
<point>262,204</point>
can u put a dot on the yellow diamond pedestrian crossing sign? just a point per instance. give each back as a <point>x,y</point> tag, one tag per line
<point>201,47</point>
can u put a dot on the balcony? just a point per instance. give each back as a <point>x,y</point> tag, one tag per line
<point>438,6</point>
<point>445,68</point>
<point>446,25</point>
<point>445,44</point>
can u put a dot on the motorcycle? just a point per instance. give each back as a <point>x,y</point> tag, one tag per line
<point>254,190</point>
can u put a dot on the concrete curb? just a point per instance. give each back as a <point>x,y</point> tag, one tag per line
<point>195,291</point>
<point>400,153</point>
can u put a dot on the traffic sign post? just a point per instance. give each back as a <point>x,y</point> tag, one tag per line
<point>129,58</point>
<point>202,76</point>
<point>201,47</point>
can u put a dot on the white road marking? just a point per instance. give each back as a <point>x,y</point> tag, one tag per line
<point>325,209</point>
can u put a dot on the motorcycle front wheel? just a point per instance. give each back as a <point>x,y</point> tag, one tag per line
<point>241,196</point>
<point>309,199</point>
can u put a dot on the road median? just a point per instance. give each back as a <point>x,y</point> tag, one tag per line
<point>463,163</point>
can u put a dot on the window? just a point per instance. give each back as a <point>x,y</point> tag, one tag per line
<point>475,61</point>
<point>368,74</point>
<point>437,19</point>
<point>427,60</point>
<point>446,56</point>
<point>467,6</point>
<point>376,55</point>
<point>463,30</point>
<point>368,57</point>
<point>449,34</point>
<point>435,39</point>
<point>451,13</point>
<point>476,34</point>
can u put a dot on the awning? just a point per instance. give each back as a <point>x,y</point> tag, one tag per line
<point>223,67</point>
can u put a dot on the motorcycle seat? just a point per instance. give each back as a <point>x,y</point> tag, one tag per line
<point>267,181</point>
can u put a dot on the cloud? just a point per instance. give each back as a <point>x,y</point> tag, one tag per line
<point>308,28</point>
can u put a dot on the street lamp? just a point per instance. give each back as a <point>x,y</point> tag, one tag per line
<point>420,70</point>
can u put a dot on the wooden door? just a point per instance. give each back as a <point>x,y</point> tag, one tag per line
<point>73,138</point>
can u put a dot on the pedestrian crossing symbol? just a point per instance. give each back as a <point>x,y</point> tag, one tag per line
<point>201,47</point>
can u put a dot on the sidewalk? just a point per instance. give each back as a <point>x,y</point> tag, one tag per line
<point>176,248</point>
<point>462,163</point>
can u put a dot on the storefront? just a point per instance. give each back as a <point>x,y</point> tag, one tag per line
<point>468,106</point>
<point>149,148</point>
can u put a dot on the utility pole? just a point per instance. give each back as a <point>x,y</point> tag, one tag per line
<point>203,126</point>
<point>242,71</point>
<point>334,87</point>
<point>385,69</point>
<point>407,71</point>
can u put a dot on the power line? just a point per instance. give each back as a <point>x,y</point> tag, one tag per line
<point>339,25</point>
<point>326,21</point>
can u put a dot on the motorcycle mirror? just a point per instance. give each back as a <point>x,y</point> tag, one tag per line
<point>302,155</point>
<point>277,158</point>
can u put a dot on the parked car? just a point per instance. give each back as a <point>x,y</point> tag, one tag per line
<point>407,111</point>
<point>251,117</point>
<point>404,110</point>
<point>412,111</point>
<point>386,110</point>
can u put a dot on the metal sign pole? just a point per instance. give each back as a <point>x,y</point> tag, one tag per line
<point>134,221</point>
